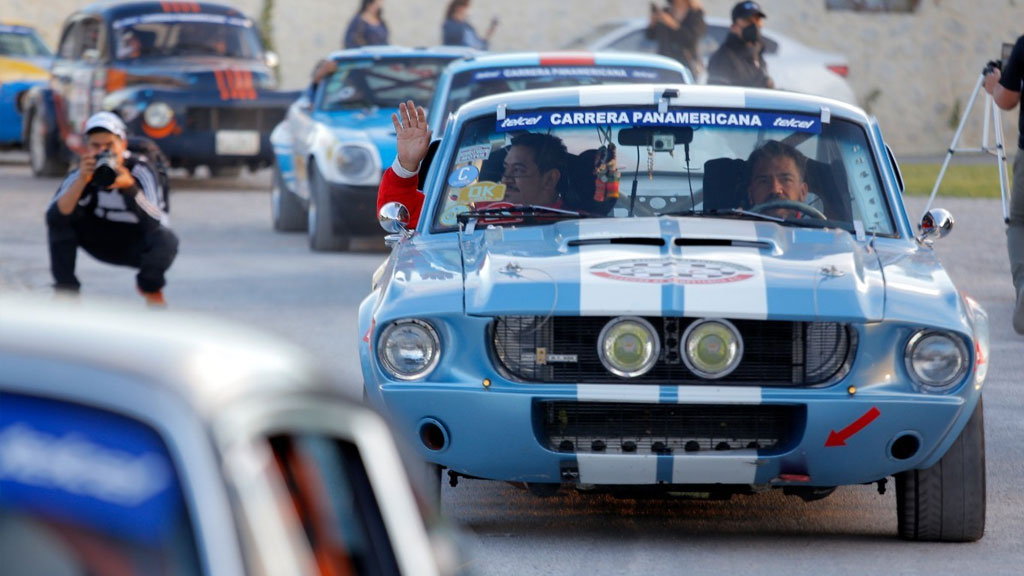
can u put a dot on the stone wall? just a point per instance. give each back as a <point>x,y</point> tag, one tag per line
<point>915,71</point>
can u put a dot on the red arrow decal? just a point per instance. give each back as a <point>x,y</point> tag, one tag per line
<point>840,438</point>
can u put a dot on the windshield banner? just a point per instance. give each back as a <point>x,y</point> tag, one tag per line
<point>159,18</point>
<point>546,120</point>
<point>567,72</point>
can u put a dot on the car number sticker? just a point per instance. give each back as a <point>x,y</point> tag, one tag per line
<point>450,216</point>
<point>471,153</point>
<point>464,176</point>
<point>672,271</point>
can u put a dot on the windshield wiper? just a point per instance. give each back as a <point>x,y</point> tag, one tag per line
<point>524,211</point>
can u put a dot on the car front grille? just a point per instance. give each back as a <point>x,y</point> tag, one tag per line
<point>629,428</point>
<point>564,349</point>
<point>213,119</point>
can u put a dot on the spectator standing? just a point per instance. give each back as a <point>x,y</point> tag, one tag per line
<point>739,61</point>
<point>367,27</point>
<point>113,207</point>
<point>457,31</point>
<point>678,28</point>
<point>1005,86</point>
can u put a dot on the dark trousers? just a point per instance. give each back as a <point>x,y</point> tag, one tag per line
<point>150,250</point>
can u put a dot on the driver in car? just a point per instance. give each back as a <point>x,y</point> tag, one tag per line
<point>533,166</point>
<point>776,177</point>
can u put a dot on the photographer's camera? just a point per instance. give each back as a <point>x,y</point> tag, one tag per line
<point>106,170</point>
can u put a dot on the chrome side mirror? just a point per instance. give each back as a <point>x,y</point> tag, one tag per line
<point>271,59</point>
<point>394,219</point>
<point>937,223</point>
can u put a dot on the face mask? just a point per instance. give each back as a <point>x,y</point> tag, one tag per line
<point>751,34</point>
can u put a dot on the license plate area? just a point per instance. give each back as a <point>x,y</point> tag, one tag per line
<point>237,143</point>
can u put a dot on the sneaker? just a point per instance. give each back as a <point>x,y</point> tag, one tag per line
<point>1018,312</point>
<point>154,299</point>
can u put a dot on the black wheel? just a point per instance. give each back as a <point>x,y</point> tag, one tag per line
<point>286,209</point>
<point>225,171</point>
<point>324,236</point>
<point>947,501</point>
<point>41,160</point>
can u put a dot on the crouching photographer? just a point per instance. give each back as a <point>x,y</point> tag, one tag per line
<point>112,206</point>
<point>1005,87</point>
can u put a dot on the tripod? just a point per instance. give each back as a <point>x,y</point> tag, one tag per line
<point>991,116</point>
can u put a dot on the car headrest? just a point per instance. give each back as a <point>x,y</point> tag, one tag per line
<point>828,181</point>
<point>725,183</point>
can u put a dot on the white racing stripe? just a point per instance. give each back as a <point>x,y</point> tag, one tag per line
<point>719,394</point>
<point>747,298</point>
<point>617,393</point>
<point>739,467</point>
<point>607,297</point>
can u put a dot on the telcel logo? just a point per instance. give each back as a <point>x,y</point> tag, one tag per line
<point>792,123</point>
<point>520,122</point>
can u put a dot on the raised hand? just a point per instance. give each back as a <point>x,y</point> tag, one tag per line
<point>413,135</point>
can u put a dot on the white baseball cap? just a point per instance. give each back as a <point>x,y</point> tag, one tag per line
<point>108,122</point>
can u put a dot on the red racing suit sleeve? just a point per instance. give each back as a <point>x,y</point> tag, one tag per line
<point>394,188</point>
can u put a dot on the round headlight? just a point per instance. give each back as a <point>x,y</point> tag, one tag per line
<point>409,349</point>
<point>158,114</point>
<point>354,162</point>
<point>936,361</point>
<point>711,348</point>
<point>628,346</point>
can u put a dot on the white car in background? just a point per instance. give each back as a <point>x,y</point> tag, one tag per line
<point>792,65</point>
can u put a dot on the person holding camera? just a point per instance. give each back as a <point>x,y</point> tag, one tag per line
<point>1005,86</point>
<point>678,28</point>
<point>457,31</point>
<point>112,206</point>
<point>739,61</point>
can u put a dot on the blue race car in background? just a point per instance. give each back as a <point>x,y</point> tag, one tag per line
<point>24,62</point>
<point>490,74</point>
<point>337,140</point>
<point>193,77</point>
<point>668,328</point>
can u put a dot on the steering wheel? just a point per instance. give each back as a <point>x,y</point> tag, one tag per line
<point>805,209</point>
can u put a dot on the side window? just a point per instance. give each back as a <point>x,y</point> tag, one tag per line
<point>635,41</point>
<point>334,499</point>
<point>69,48</point>
<point>88,491</point>
<point>90,37</point>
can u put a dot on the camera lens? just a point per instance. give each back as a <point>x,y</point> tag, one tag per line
<point>106,170</point>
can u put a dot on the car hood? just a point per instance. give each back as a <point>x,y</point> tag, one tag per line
<point>12,69</point>
<point>234,79</point>
<point>673,266</point>
<point>372,124</point>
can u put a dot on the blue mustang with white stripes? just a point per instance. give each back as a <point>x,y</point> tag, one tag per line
<point>726,296</point>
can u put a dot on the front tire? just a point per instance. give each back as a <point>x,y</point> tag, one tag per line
<point>285,208</point>
<point>323,237</point>
<point>946,503</point>
<point>43,163</point>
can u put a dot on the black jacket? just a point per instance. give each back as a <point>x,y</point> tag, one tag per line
<point>737,63</point>
<point>681,44</point>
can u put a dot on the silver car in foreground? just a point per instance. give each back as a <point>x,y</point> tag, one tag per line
<point>133,442</point>
<point>792,65</point>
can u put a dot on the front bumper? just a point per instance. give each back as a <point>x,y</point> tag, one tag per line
<point>498,433</point>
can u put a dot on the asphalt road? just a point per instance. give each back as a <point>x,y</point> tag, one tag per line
<point>232,265</point>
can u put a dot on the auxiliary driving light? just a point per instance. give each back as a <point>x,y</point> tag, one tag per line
<point>712,348</point>
<point>409,349</point>
<point>628,346</point>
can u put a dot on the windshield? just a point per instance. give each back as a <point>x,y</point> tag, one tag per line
<point>473,84</point>
<point>778,166</point>
<point>176,35</point>
<point>22,42</point>
<point>361,84</point>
